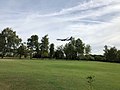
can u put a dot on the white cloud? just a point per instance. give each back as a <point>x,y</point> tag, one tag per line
<point>83,21</point>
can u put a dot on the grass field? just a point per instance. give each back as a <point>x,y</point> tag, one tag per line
<point>57,75</point>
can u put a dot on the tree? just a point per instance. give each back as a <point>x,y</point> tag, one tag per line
<point>70,51</point>
<point>59,54</point>
<point>10,43</point>
<point>79,47</point>
<point>52,50</point>
<point>33,45</point>
<point>118,56</point>
<point>74,49</point>
<point>2,45</point>
<point>87,49</point>
<point>110,54</point>
<point>22,51</point>
<point>44,46</point>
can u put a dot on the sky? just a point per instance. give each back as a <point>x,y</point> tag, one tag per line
<point>95,22</point>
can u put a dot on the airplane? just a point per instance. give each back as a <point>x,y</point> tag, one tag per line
<point>66,39</point>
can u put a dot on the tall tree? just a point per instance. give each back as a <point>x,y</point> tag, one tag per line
<point>59,54</point>
<point>11,41</point>
<point>87,49</point>
<point>22,51</point>
<point>74,48</point>
<point>110,54</point>
<point>2,45</point>
<point>44,46</point>
<point>52,50</point>
<point>118,56</point>
<point>79,47</point>
<point>33,45</point>
<point>70,51</point>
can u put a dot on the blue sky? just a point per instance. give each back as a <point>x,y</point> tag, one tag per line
<point>96,22</point>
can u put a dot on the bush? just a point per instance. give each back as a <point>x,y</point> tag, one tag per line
<point>89,57</point>
<point>99,57</point>
<point>85,57</point>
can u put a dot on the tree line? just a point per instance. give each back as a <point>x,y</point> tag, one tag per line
<point>11,45</point>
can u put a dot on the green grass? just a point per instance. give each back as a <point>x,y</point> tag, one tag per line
<point>57,75</point>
